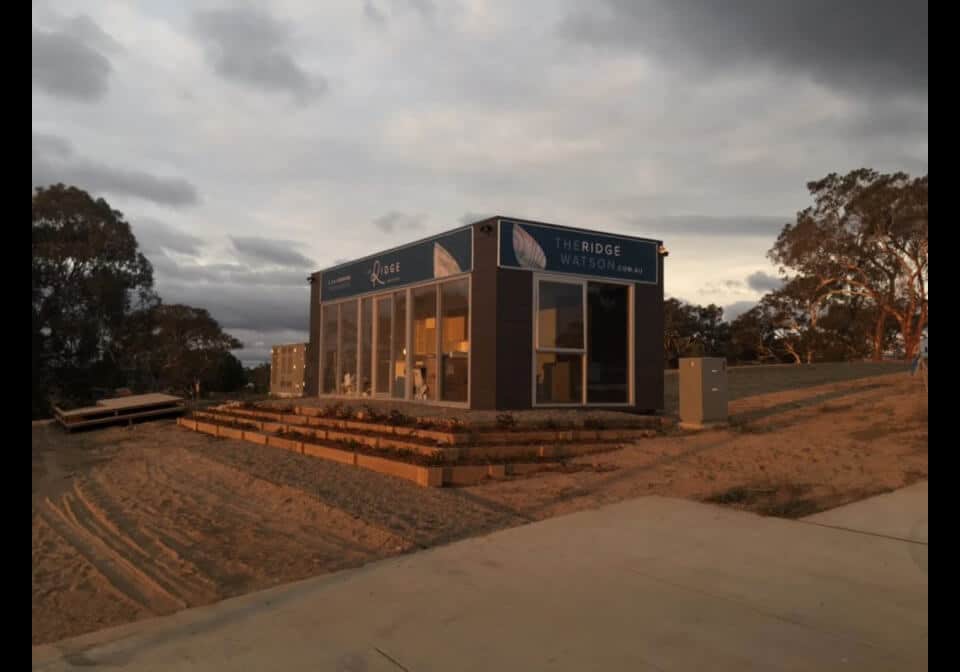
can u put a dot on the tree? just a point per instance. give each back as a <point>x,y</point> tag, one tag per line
<point>796,310</point>
<point>88,278</point>
<point>187,347</point>
<point>753,336</point>
<point>230,374</point>
<point>866,235</point>
<point>693,331</point>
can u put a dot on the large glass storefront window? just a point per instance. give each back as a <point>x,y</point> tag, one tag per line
<point>559,378</point>
<point>384,333</point>
<point>582,360</point>
<point>455,339</point>
<point>560,318</point>
<point>399,345</point>
<point>366,352</point>
<point>329,354</point>
<point>348,348</point>
<point>365,380</point>
<point>424,343</point>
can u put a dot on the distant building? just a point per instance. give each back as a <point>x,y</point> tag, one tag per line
<point>287,367</point>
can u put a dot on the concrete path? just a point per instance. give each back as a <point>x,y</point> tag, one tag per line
<point>648,584</point>
<point>901,514</point>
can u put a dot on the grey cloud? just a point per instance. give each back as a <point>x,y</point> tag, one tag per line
<point>707,225</point>
<point>398,221</point>
<point>374,15</point>
<point>271,252</point>
<point>54,161</point>
<point>473,217</point>
<point>51,145</point>
<point>254,307</point>
<point>236,296</point>
<point>425,8</point>
<point>251,47</point>
<point>66,67</point>
<point>156,238</point>
<point>763,282</point>
<point>87,31</point>
<point>258,344</point>
<point>875,45</point>
<point>735,310</point>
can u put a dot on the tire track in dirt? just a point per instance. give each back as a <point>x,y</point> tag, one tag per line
<point>171,569</point>
<point>163,598</point>
<point>254,510</point>
<point>125,579</point>
<point>422,518</point>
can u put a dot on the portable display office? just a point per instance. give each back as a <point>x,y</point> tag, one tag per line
<point>504,314</point>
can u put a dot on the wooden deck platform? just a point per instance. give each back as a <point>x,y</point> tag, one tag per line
<point>120,409</point>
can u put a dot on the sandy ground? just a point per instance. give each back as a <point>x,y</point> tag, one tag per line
<point>134,522</point>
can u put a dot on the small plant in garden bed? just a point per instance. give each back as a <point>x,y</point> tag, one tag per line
<point>369,414</point>
<point>451,425</point>
<point>331,410</point>
<point>506,421</point>
<point>343,413</point>
<point>398,419</point>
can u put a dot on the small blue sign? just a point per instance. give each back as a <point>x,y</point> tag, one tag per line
<point>537,247</point>
<point>438,257</point>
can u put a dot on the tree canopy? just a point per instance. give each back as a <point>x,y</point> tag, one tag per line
<point>865,235</point>
<point>97,321</point>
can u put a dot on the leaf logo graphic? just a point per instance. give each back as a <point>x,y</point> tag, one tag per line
<point>443,262</point>
<point>528,252</point>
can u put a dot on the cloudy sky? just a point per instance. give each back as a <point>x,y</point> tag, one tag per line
<point>251,143</point>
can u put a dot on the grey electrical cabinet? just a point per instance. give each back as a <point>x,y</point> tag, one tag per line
<point>703,390</point>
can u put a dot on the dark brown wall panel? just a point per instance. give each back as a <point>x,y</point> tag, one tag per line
<point>648,344</point>
<point>483,318</point>
<point>514,361</point>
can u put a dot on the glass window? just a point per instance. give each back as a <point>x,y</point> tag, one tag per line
<point>365,381</point>
<point>559,378</point>
<point>425,342</point>
<point>348,348</point>
<point>560,315</point>
<point>384,333</point>
<point>399,345</point>
<point>329,358</point>
<point>608,331</point>
<point>455,339</point>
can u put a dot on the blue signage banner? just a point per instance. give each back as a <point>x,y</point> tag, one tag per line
<point>448,254</point>
<point>537,247</point>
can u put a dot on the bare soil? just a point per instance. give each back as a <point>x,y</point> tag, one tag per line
<point>136,522</point>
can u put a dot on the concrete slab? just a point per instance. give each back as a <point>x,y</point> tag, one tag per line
<point>648,584</point>
<point>901,514</point>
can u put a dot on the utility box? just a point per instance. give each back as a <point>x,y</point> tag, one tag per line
<point>703,390</point>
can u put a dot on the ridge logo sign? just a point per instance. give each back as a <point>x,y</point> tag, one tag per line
<point>437,257</point>
<point>540,247</point>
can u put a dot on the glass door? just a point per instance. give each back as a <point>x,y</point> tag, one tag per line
<point>384,334</point>
<point>608,354</point>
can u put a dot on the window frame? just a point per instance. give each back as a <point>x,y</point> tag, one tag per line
<point>407,290</point>
<point>584,352</point>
